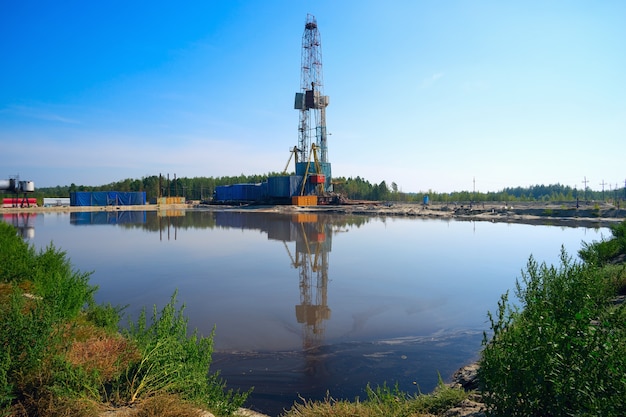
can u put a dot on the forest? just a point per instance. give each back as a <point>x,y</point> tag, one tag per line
<point>353,188</point>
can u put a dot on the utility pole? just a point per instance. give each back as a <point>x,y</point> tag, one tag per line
<point>474,189</point>
<point>602,184</point>
<point>585,182</point>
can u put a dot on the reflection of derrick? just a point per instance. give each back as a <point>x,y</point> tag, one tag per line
<point>312,262</point>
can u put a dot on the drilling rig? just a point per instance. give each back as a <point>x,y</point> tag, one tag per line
<point>311,103</point>
<point>312,183</point>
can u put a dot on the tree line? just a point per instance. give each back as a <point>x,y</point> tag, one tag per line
<point>361,189</point>
<point>353,188</point>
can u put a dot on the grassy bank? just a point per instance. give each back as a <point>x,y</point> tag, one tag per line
<point>561,350</point>
<point>61,354</point>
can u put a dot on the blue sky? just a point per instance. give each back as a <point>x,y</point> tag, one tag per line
<point>431,95</point>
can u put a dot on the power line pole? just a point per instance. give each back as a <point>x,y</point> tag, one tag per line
<point>602,184</point>
<point>585,182</point>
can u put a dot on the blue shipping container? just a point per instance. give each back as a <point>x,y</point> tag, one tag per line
<point>284,186</point>
<point>107,198</point>
<point>241,192</point>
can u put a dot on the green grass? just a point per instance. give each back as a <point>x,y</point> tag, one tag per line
<point>603,252</point>
<point>62,354</point>
<point>175,362</point>
<point>562,351</point>
<point>383,401</point>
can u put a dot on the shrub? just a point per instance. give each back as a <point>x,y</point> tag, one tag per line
<point>599,253</point>
<point>39,292</point>
<point>604,251</point>
<point>15,255</point>
<point>65,290</point>
<point>104,315</point>
<point>176,363</point>
<point>61,354</point>
<point>563,352</point>
<point>26,333</point>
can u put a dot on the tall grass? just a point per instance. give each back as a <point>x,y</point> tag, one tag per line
<point>563,351</point>
<point>38,292</point>
<point>602,252</point>
<point>62,354</point>
<point>383,401</point>
<point>175,362</point>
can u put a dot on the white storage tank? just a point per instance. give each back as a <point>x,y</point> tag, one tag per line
<point>27,186</point>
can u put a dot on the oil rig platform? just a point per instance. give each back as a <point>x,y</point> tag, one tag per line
<point>311,185</point>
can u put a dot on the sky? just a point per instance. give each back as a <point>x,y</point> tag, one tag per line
<point>436,96</point>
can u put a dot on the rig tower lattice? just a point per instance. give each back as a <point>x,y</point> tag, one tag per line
<point>311,101</point>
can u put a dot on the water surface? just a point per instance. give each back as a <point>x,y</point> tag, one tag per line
<point>302,304</point>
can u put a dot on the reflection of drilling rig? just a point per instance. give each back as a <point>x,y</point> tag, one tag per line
<point>311,259</point>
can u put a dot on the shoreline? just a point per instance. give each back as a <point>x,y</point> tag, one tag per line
<point>592,215</point>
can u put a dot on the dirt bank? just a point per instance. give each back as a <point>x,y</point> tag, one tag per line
<point>558,214</point>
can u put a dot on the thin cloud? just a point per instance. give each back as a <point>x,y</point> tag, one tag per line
<point>429,81</point>
<point>187,156</point>
<point>39,114</point>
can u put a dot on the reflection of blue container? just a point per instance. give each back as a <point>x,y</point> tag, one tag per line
<point>425,200</point>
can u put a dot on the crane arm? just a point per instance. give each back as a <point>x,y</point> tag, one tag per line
<point>293,153</point>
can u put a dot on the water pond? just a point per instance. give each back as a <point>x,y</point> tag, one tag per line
<point>306,304</point>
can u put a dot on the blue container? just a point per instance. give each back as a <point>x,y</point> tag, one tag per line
<point>425,200</point>
<point>284,186</point>
<point>241,192</point>
<point>107,198</point>
<point>223,193</point>
<point>278,186</point>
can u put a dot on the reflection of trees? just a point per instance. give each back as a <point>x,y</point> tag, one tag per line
<point>270,223</point>
<point>182,220</point>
